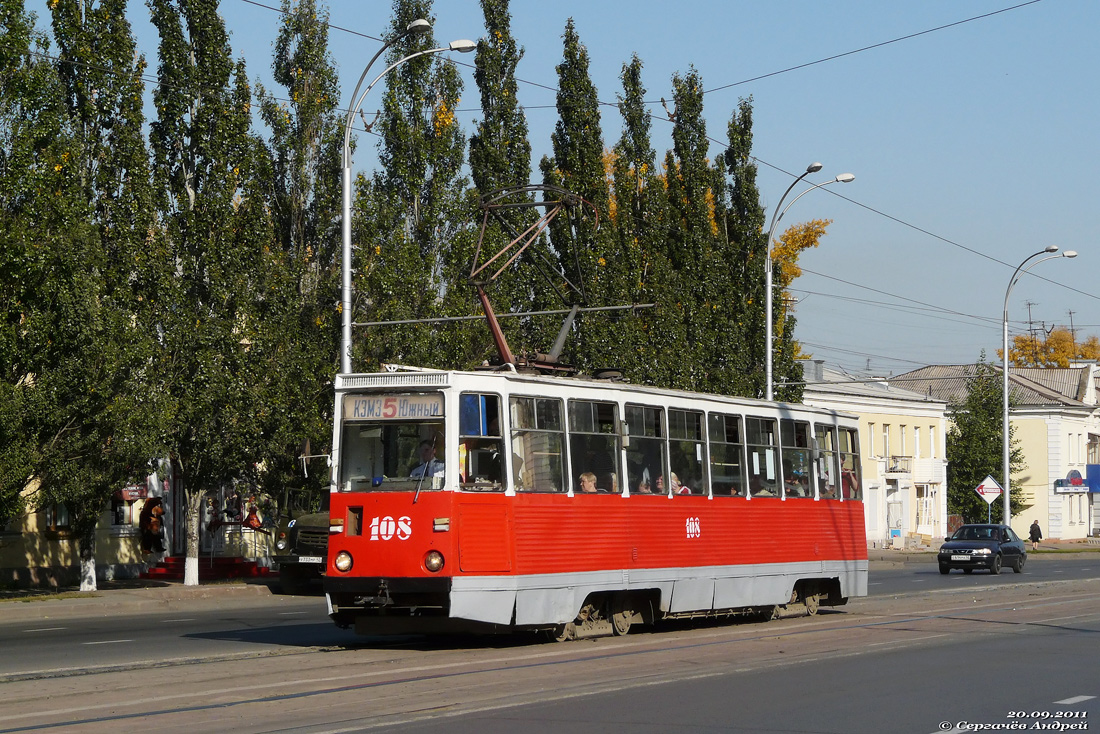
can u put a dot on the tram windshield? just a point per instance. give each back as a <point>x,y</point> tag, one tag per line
<point>392,442</point>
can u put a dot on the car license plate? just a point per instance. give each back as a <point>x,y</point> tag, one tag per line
<point>310,559</point>
<point>960,558</point>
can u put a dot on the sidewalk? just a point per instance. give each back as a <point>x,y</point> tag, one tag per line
<point>927,553</point>
<point>136,596</point>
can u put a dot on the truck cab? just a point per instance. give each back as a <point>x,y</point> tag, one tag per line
<point>301,542</point>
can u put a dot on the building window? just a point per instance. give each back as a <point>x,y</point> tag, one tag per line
<point>916,442</point>
<point>57,518</point>
<point>1094,449</point>
<point>871,440</point>
<point>932,442</point>
<point>122,511</point>
<point>886,440</point>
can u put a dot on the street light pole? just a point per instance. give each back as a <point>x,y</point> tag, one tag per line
<point>768,266</point>
<point>415,27</point>
<point>1006,480</point>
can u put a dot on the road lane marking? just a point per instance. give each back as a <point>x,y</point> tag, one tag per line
<point>105,642</point>
<point>46,629</point>
<point>287,614</point>
<point>1075,699</point>
<point>170,621</point>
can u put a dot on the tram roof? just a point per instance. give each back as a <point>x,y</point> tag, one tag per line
<point>406,377</point>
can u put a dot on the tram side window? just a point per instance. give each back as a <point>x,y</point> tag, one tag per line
<point>645,456</point>
<point>687,452</point>
<point>538,443</point>
<point>726,448</point>
<point>827,471</point>
<point>794,439</point>
<point>763,466</point>
<point>594,443</point>
<point>479,447</point>
<point>851,483</point>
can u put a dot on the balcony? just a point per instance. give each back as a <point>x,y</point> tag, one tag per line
<point>897,466</point>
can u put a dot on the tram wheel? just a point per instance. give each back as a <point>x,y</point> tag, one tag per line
<point>564,632</point>
<point>620,622</point>
<point>812,603</point>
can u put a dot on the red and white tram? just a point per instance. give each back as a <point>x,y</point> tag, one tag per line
<point>497,500</point>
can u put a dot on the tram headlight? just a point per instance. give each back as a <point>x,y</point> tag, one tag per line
<point>433,561</point>
<point>281,543</point>
<point>342,561</point>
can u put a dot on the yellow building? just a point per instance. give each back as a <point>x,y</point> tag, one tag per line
<point>903,448</point>
<point>1056,420</point>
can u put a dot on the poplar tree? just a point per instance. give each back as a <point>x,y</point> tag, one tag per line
<point>578,166</point>
<point>103,348</point>
<point>40,233</point>
<point>745,250</point>
<point>412,210</point>
<point>692,233</point>
<point>209,256</point>
<point>303,187</point>
<point>500,158</point>
<point>639,216</point>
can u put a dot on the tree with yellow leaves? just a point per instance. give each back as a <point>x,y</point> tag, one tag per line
<point>1055,349</point>
<point>785,253</point>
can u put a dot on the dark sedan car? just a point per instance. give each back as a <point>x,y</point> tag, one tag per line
<point>983,546</point>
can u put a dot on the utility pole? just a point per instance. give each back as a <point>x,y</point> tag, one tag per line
<point>1072,335</point>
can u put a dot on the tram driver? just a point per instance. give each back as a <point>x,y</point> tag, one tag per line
<point>430,467</point>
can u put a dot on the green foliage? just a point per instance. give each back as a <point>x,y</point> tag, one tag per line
<point>414,227</point>
<point>213,367</point>
<point>75,214</point>
<point>298,327</point>
<point>975,448</point>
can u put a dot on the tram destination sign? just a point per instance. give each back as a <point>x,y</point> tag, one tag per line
<point>392,407</point>
<point>989,489</point>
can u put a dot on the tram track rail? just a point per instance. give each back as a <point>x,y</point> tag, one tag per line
<point>407,680</point>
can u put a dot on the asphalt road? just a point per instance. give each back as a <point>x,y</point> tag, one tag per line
<point>923,649</point>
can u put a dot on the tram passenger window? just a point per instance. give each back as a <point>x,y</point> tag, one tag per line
<point>826,469</point>
<point>479,448</point>
<point>687,452</point>
<point>763,467</point>
<point>594,443</point>
<point>538,442</point>
<point>851,484</point>
<point>794,439</point>
<point>726,450</point>
<point>645,456</point>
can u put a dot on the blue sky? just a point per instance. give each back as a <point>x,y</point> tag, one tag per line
<point>972,142</point>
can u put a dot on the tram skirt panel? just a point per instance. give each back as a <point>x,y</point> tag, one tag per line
<point>482,599</point>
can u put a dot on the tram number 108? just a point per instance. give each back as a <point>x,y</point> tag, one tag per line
<point>386,528</point>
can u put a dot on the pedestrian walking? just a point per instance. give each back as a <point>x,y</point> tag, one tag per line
<point>1035,534</point>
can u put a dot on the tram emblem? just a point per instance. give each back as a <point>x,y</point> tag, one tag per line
<point>386,528</point>
<point>694,529</point>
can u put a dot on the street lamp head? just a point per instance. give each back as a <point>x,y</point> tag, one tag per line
<point>1050,248</point>
<point>1069,253</point>
<point>813,168</point>
<point>462,46</point>
<point>418,26</point>
<point>845,178</point>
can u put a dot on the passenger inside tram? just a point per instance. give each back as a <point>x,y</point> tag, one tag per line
<point>588,482</point>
